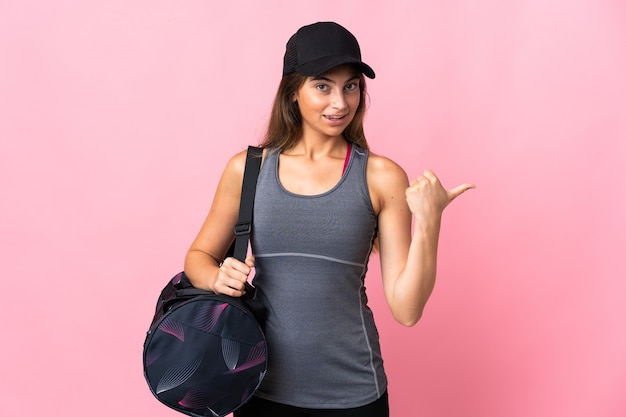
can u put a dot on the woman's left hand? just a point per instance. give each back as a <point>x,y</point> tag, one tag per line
<point>427,197</point>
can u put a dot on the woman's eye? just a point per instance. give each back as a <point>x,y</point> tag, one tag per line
<point>322,87</point>
<point>351,86</point>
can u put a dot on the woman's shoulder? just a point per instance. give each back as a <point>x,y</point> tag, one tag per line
<point>237,162</point>
<point>386,180</point>
<point>382,167</point>
<point>236,165</point>
<point>232,175</point>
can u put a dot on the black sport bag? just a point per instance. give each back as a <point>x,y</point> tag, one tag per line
<point>205,354</point>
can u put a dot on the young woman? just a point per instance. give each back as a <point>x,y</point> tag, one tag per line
<point>323,202</point>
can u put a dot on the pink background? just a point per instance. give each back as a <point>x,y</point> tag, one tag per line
<point>117,117</point>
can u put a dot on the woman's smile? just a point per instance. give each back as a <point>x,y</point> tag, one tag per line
<point>336,120</point>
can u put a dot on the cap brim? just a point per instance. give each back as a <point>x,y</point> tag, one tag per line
<point>321,65</point>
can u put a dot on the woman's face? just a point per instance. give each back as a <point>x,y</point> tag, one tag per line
<point>328,102</point>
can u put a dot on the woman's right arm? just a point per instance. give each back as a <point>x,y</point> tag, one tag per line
<point>203,262</point>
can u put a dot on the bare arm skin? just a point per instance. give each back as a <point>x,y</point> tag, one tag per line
<point>408,260</point>
<point>202,262</point>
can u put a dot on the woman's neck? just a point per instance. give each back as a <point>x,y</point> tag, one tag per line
<point>319,148</point>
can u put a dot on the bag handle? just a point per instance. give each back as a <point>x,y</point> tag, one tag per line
<point>248,189</point>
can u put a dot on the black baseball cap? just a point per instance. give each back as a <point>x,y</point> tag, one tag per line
<point>316,48</point>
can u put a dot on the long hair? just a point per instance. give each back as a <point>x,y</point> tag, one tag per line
<point>285,124</point>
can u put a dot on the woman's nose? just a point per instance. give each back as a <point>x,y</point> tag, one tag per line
<point>338,101</point>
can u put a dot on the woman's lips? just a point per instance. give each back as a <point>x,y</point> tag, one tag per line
<point>335,119</point>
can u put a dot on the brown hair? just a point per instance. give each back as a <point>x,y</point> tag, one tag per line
<point>285,124</point>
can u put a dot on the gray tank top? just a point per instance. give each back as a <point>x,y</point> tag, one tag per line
<point>311,258</point>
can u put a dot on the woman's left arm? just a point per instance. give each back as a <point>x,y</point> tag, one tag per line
<point>408,258</point>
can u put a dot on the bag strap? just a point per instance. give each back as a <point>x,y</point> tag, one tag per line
<point>248,189</point>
